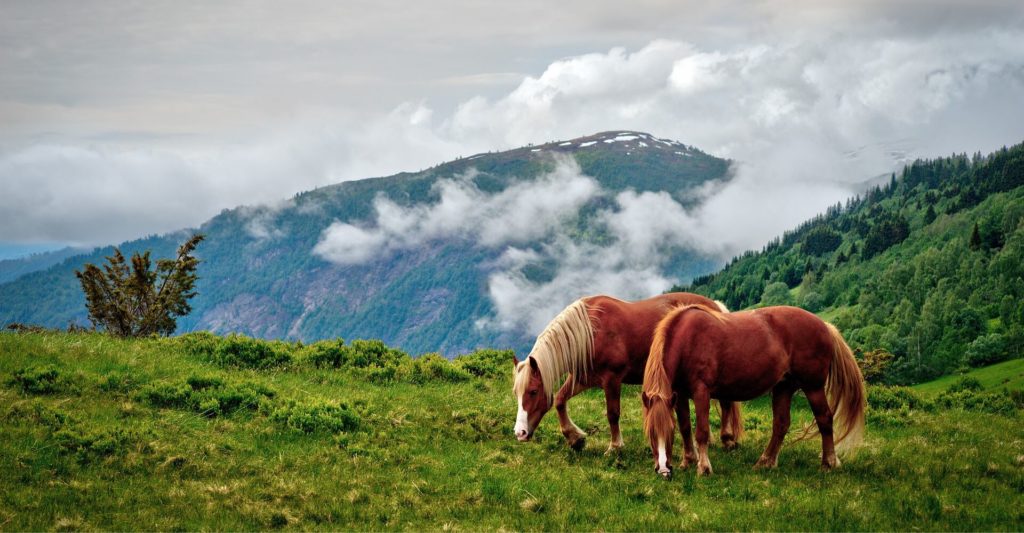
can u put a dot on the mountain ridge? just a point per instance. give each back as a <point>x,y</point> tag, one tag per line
<point>259,276</point>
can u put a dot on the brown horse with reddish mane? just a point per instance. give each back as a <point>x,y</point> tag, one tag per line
<point>701,353</point>
<point>599,341</point>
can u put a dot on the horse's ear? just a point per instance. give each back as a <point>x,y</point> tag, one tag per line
<point>533,363</point>
<point>515,362</point>
<point>646,399</point>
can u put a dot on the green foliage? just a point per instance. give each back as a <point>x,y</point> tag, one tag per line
<point>776,294</point>
<point>895,398</point>
<point>966,383</point>
<point>988,349</point>
<point>821,240</point>
<point>431,367</point>
<point>930,268</point>
<point>210,396</point>
<point>441,455</point>
<point>46,379</point>
<point>246,352</point>
<point>137,301</point>
<point>486,362</point>
<point>316,416</point>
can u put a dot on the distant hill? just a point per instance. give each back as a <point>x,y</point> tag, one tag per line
<point>260,277</point>
<point>929,267</point>
<point>11,269</point>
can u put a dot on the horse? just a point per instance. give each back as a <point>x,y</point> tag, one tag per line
<point>702,353</point>
<point>599,341</point>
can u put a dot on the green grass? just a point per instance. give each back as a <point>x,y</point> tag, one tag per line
<point>92,453</point>
<point>1007,375</point>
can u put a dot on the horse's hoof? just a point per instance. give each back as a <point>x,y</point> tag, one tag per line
<point>730,445</point>
<point>764,464</point>
<point>578,444</point>
<point>613,450</point>
<point>703,470</point>
<point>667,476</point>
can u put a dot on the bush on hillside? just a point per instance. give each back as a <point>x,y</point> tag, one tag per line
<point>207,395</point>
<point>246,352</point>
<point>486,362</point>
<point>316,416</point>
<point>431,367</point>
<point>1002,403</point>
<point>881,397</point>
<point>966,383</point>
<point>987,349</point>
<point>45,379</point>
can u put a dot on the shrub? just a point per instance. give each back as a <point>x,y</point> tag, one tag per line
<point>363,353</point>
<point>486,363</point>
<point>39,413</point>
<point>118,382</point>
<point>431,367</point>
<point>892,398</point>
<point>201,343</point>
<point>88,446</point>
<point>966,383</point>
<point>316,416</point>
<point>41,380</point>
<point>997,403</point>
<point>987,350</point>
<point>328,353</point>
<point>207,395</point>
<point>245,352</point>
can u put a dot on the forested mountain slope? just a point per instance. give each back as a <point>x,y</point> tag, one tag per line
<point>924,275</point>
<point>260,274</point>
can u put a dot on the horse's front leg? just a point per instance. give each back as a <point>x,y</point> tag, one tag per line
<point>686,431</point>
<point>577,437</point>
<point>702,407</point>
<point>612,394</point>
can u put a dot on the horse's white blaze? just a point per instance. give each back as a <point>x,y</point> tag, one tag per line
<point>662,457</point>
<point>522,419</point>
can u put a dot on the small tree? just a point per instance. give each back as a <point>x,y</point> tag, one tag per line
<point>135,301</point>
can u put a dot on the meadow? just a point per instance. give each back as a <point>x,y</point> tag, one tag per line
<point>205,433</point>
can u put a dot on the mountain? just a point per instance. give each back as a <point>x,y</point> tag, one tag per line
<point>11,269</point>
<point>261,276</point>
<point>924,275</point>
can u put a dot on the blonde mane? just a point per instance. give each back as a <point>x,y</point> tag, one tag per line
<point>566,346</point>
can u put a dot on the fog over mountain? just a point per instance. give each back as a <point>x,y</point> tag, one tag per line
<point>150,117</point>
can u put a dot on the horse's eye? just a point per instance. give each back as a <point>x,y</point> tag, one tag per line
<point>533,393</point>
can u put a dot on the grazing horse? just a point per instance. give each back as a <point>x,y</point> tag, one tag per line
<point>599,341</point>
<point>701,353</point>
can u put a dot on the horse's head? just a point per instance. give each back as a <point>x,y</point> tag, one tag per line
<point>531,395</point>
<point>660,426</point>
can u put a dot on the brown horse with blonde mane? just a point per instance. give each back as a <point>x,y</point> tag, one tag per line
<point>702,353</point>
<point>600,341</point>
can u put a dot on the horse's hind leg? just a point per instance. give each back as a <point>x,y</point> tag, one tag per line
<point>612,393</point>
<point>728,412</point>
<point>577,437</point>
<point>686,431</point>
<point>823,417</point>
<point>782,396</point>
<point>702,407</point>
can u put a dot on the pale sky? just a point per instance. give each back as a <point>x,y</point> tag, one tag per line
<point>121,119</point>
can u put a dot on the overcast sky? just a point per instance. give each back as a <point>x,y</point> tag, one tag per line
<point>120,119</point>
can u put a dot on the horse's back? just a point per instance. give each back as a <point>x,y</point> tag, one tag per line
<point>623,330</point>
<point>749,350</point>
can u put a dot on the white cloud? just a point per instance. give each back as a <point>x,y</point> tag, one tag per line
<point>520,213</point>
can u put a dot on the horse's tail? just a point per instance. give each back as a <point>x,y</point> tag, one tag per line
<point>658,414</point>
<point>845,389</point>
<point>847,397</point>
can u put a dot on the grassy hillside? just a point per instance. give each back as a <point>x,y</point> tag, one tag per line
<point>1008,375</point>
<point>925,275</point>
<point>259,275</point>
<point>199,432</point>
